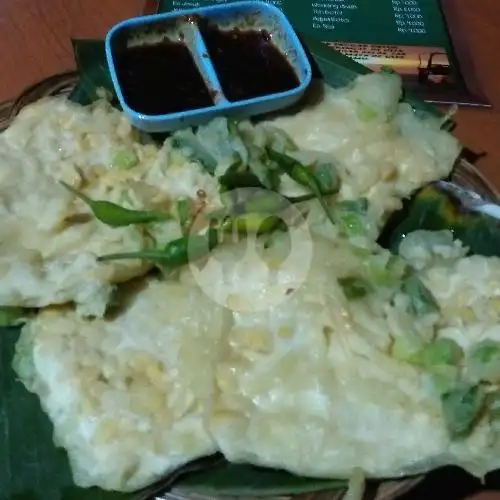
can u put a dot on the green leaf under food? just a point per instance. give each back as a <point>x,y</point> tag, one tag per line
<point>31,467</point>
<point>245,480</point>
<point>13,316</point>
<point>115,216</point>
<point>90,59</point>
<point>434,208</point>
<point>462,407</point>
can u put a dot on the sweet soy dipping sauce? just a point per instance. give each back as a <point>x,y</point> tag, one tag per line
<point>161,78</point>
<point>247,62</point>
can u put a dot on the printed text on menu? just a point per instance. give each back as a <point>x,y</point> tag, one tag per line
<point>404,22</point>
<point>329,14</point>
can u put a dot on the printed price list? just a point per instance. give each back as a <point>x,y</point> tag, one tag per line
<point>408,17</point>
<point>403,22</point>
<point>328,14</point>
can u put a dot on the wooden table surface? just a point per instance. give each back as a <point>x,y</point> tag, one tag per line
<point>34,43</point>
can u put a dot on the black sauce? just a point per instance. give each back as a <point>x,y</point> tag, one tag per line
<point>161,78</point>
<point>247,62</point>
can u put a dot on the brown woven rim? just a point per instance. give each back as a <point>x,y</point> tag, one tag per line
<point>465,175</point>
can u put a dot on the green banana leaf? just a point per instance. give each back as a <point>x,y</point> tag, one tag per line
<point>31,468</point>
<point>245,480</point>
<point>92,67</point>
<point>437,207</point>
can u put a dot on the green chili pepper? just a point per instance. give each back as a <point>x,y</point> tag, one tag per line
<point>273,203</point>
<point>252,224</point>
<point>234,180</point>
<point>263,204</point>
<point>183,250</point>
<point>176,253</point>
<point>268,203</point>
<point>115,216</point>
<point>182,208</point>
<point>300,174</point>
<point>263,169</point>
<point>307,197</point>
<point>327,177</point>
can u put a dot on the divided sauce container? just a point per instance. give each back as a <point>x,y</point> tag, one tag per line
<point>183,68</point>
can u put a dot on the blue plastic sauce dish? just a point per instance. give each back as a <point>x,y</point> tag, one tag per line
<point>183,68</point>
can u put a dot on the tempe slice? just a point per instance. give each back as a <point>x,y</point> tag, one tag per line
<point>128,396</point>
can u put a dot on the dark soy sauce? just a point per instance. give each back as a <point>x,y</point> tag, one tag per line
<point>161,78</point>
<point>247,62</point>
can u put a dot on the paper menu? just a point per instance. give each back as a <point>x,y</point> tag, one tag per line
<point>411,36</point>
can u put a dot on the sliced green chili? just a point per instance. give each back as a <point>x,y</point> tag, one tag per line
<point>183,215</point>
<point>116,216</point>
<point>302,175</point>
<point>176,253</point>
<point>253,223</point>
